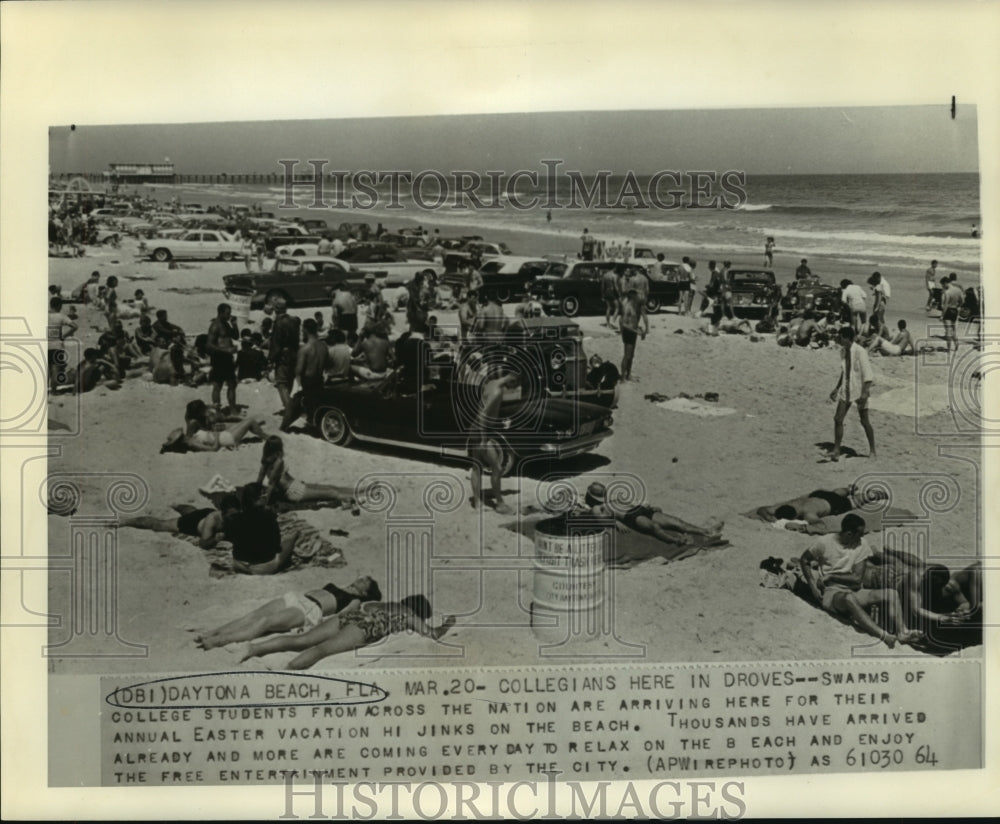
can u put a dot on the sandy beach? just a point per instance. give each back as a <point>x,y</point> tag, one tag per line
<point>709,607</point>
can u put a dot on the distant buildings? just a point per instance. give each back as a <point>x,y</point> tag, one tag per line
<point>140,173</point>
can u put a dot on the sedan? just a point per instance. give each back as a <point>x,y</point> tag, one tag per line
<point>301,281</point>
<point>197,245</point>
<point>383,257</point>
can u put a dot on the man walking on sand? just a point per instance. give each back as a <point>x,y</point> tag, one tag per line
<point>587,245</point>
<point>483,450</point>
<point>609,292</point>
<point>221,348</point>
<point>854,386</point>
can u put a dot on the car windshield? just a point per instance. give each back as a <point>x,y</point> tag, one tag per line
<point>504,248</point>
<point>752,277</point>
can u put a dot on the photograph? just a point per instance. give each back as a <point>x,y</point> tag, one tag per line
<point>387,445</point>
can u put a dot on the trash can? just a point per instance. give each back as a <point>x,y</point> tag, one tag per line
<point>240,299</point>
<point>569,583</point>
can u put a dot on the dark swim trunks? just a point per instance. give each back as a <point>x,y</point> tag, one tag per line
<point>629,337</point>
<point>838,503</point>
<point>188,523</point>
<point>223,368</point>
<point>629,518</point>
<point>951,313</point>
<point>348,323</point>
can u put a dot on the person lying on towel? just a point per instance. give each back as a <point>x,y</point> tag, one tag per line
<point>815,506</point>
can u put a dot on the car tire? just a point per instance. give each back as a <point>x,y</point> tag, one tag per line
<point>652,305</point>
<point>333,426</point>
<point>276,293</point>
<point>226,257</point>
<point>570,306</point>
<point>161,255</point>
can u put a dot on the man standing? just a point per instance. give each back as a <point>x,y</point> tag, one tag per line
<point>491,322</point>
<point>803,271</point>
<point>324,247</point>
<point>310,362</point>
<point>60,328</point>
<point>951,301</point>
<point>632,319</point>
<point>221,348</point>
<point>609,292</point>
<point>467,317</point>
<point>416,308</point>
<point>881,292</point>
<point>283,351</point>
<point>856,302</point>
<point>931,281</point>
<point>694,294</point>
<point>587,245</point>
<point>854,386</point>
<point>484,451</point>
<point>345,310</point>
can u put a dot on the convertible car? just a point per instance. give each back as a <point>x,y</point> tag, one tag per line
<point>556,413</point>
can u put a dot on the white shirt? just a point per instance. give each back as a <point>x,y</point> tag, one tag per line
<point>861,373</point>
<point>883,287</point>
<point>854,296</point>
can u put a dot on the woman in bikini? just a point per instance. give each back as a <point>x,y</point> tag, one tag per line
<point>292,611</point>
<point>281,486</point>
<point>200,434</point>
<point>369,623</point>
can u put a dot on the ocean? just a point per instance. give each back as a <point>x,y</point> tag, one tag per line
<point>873,220</point>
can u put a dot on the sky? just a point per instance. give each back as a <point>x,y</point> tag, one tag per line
<point>899,139</point>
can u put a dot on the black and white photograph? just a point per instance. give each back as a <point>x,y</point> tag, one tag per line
<point>642,440</point>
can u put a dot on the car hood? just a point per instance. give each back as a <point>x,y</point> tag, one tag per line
<point>560,413</point>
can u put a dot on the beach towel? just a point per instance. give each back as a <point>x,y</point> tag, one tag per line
<point>693,407</point>
<point>311,549</point>
<point>831,523</point>
<point>629,548</point>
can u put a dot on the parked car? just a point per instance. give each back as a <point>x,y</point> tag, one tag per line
<point>359,231</point>
<point>810,295</point>
<point>505,276</point>
<point>384,257</point>
<point>201,244</point>
<point>315,224</point>
<point>755,292</point>
<point>301,281</point>
<point>547,419</point>
<point>456,259</point>
<point>572,289</point>
<point>291,233</point>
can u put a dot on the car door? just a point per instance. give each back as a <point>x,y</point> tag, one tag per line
<point>587,287</point>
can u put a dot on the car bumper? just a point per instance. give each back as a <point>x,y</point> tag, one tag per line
<point>575,446</point>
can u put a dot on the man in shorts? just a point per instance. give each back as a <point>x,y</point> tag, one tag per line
<point>345,310</point>
<point>836,582</point>
<point>60,327</point>
<point>221,347</point>
<point>853,387</point>
<point>485,453</point>
<point>856,302</point>
<point>952,299</point>
<point>931,281</point>
<point>609,293</point>
<point>284,351</point>
<point>633,324</point>
<point>311,360</point>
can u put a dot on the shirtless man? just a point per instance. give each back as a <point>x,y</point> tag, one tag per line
<point>952,299</point>
<point>221,346</point>
<point>814,507</point>
<point>633,324</point>
<point>203,524</point>
<point>345,310</point>
<point>483,451</point>
<point>609,292</point>
<point>467,317</point>
<point>370,357</point>
<point>490,323</point>
<point>931,281</point>
<point>311,361</point>
<point>900,344</point>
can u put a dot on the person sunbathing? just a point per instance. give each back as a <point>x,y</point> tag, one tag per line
<point>815,506</point>
<point>292,611</point>
<point>838,586</point>
<point>203,524</point>
<point>201,434</point>
<point>368,624</point>
<point>900,343</point>
<point>655,522</point>
<point>281,486</point>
